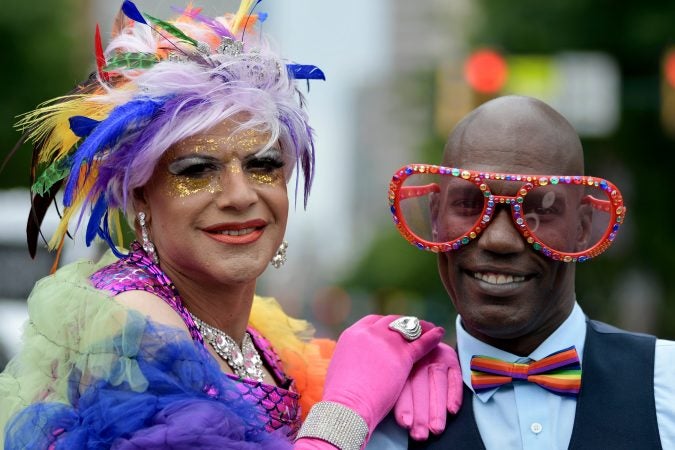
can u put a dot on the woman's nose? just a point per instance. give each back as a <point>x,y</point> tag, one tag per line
<point>236,191</point>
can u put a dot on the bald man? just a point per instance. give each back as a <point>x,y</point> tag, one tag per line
<point>517,304</point>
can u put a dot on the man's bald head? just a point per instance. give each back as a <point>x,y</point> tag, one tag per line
<point>515,134</point>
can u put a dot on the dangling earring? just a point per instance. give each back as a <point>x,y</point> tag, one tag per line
<point>279,257</point>
<point>148,246</point>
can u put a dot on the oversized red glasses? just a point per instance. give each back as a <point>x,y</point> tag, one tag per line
<point>567,218</point>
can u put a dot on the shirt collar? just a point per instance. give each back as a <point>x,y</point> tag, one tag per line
<point>572,332</point>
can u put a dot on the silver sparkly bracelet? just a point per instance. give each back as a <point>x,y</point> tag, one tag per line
<point>335,424</point>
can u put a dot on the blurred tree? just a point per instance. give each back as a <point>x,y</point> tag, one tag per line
<point>45,48</point>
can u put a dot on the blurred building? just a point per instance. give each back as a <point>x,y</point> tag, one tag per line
<point>392,115</point>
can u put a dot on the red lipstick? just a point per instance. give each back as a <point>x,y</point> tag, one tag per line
<point>237,233</point>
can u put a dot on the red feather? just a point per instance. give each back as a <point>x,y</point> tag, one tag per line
<point>100,58</point>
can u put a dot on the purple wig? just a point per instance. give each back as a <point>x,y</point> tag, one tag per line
<point>158,83</point>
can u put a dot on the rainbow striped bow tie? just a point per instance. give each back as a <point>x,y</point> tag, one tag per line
<point>559,372</point>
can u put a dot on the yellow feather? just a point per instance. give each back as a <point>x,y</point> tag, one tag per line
<point>85,183</point>
<point>61,229</point>
<point>269,318</point>
<point>240,17</point>
<point>57,258</point>
<point>303,357</point>
<point>116,224</point>
<point>49,123</point>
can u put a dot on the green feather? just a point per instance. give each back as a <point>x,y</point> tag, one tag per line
<point>131,61</point>
<point>51,175</point>
<point>171,29</point>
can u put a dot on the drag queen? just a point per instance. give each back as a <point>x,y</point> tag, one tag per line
<point>189,130</point>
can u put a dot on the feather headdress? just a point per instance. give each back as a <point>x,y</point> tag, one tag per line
<point>158,82</point>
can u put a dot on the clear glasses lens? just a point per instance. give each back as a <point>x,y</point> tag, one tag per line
<point>440,208</point>
<point>565,217</point>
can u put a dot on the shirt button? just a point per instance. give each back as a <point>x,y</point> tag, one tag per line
<point>536,427</point>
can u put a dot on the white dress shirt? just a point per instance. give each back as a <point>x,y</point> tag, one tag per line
<point>524,416</point>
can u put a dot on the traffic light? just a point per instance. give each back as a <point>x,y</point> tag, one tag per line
<point>462,87</point>
<point>485,71</point>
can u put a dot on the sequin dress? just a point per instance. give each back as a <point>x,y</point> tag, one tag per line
<point>92,373</point>
<point>277,405</point>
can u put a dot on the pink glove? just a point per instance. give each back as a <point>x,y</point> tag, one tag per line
<point>371,364</point>
<point>433,389</point>
<point>369,368</point>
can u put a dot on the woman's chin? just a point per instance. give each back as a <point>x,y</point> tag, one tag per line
<point>225,270</point>
<point>238,271</point>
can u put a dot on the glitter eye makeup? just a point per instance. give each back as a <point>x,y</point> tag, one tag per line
<point>265,167</point>
<point>193,174</point>
<point>264,179</point>
<point>193,166</point>
<point>181,187</point>
<point>246,141</point>
<point>233,166</point>
<point>197,172</point>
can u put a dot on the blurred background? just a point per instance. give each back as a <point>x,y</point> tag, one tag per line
<point>399,76</point>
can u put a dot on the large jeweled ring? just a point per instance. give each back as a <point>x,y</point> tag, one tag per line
<point>408,326</point>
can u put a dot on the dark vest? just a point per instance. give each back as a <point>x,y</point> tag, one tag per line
<point>615,408</point>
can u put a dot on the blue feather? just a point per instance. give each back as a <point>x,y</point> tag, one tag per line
<point>99,216</point>
<point>106,134</point>
<point>100,209</point>
<point>131,11</point>
<point>305,72</point>
<point>104,233</point>
<point>82,126</point>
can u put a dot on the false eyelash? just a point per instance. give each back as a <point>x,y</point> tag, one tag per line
<point>191,166</point>
<point>267,162</point>
<point>270,159</point>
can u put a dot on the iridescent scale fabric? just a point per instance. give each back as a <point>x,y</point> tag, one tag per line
<point>278,405</point>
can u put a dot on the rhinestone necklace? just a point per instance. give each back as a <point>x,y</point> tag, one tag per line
<point>244,362</point>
